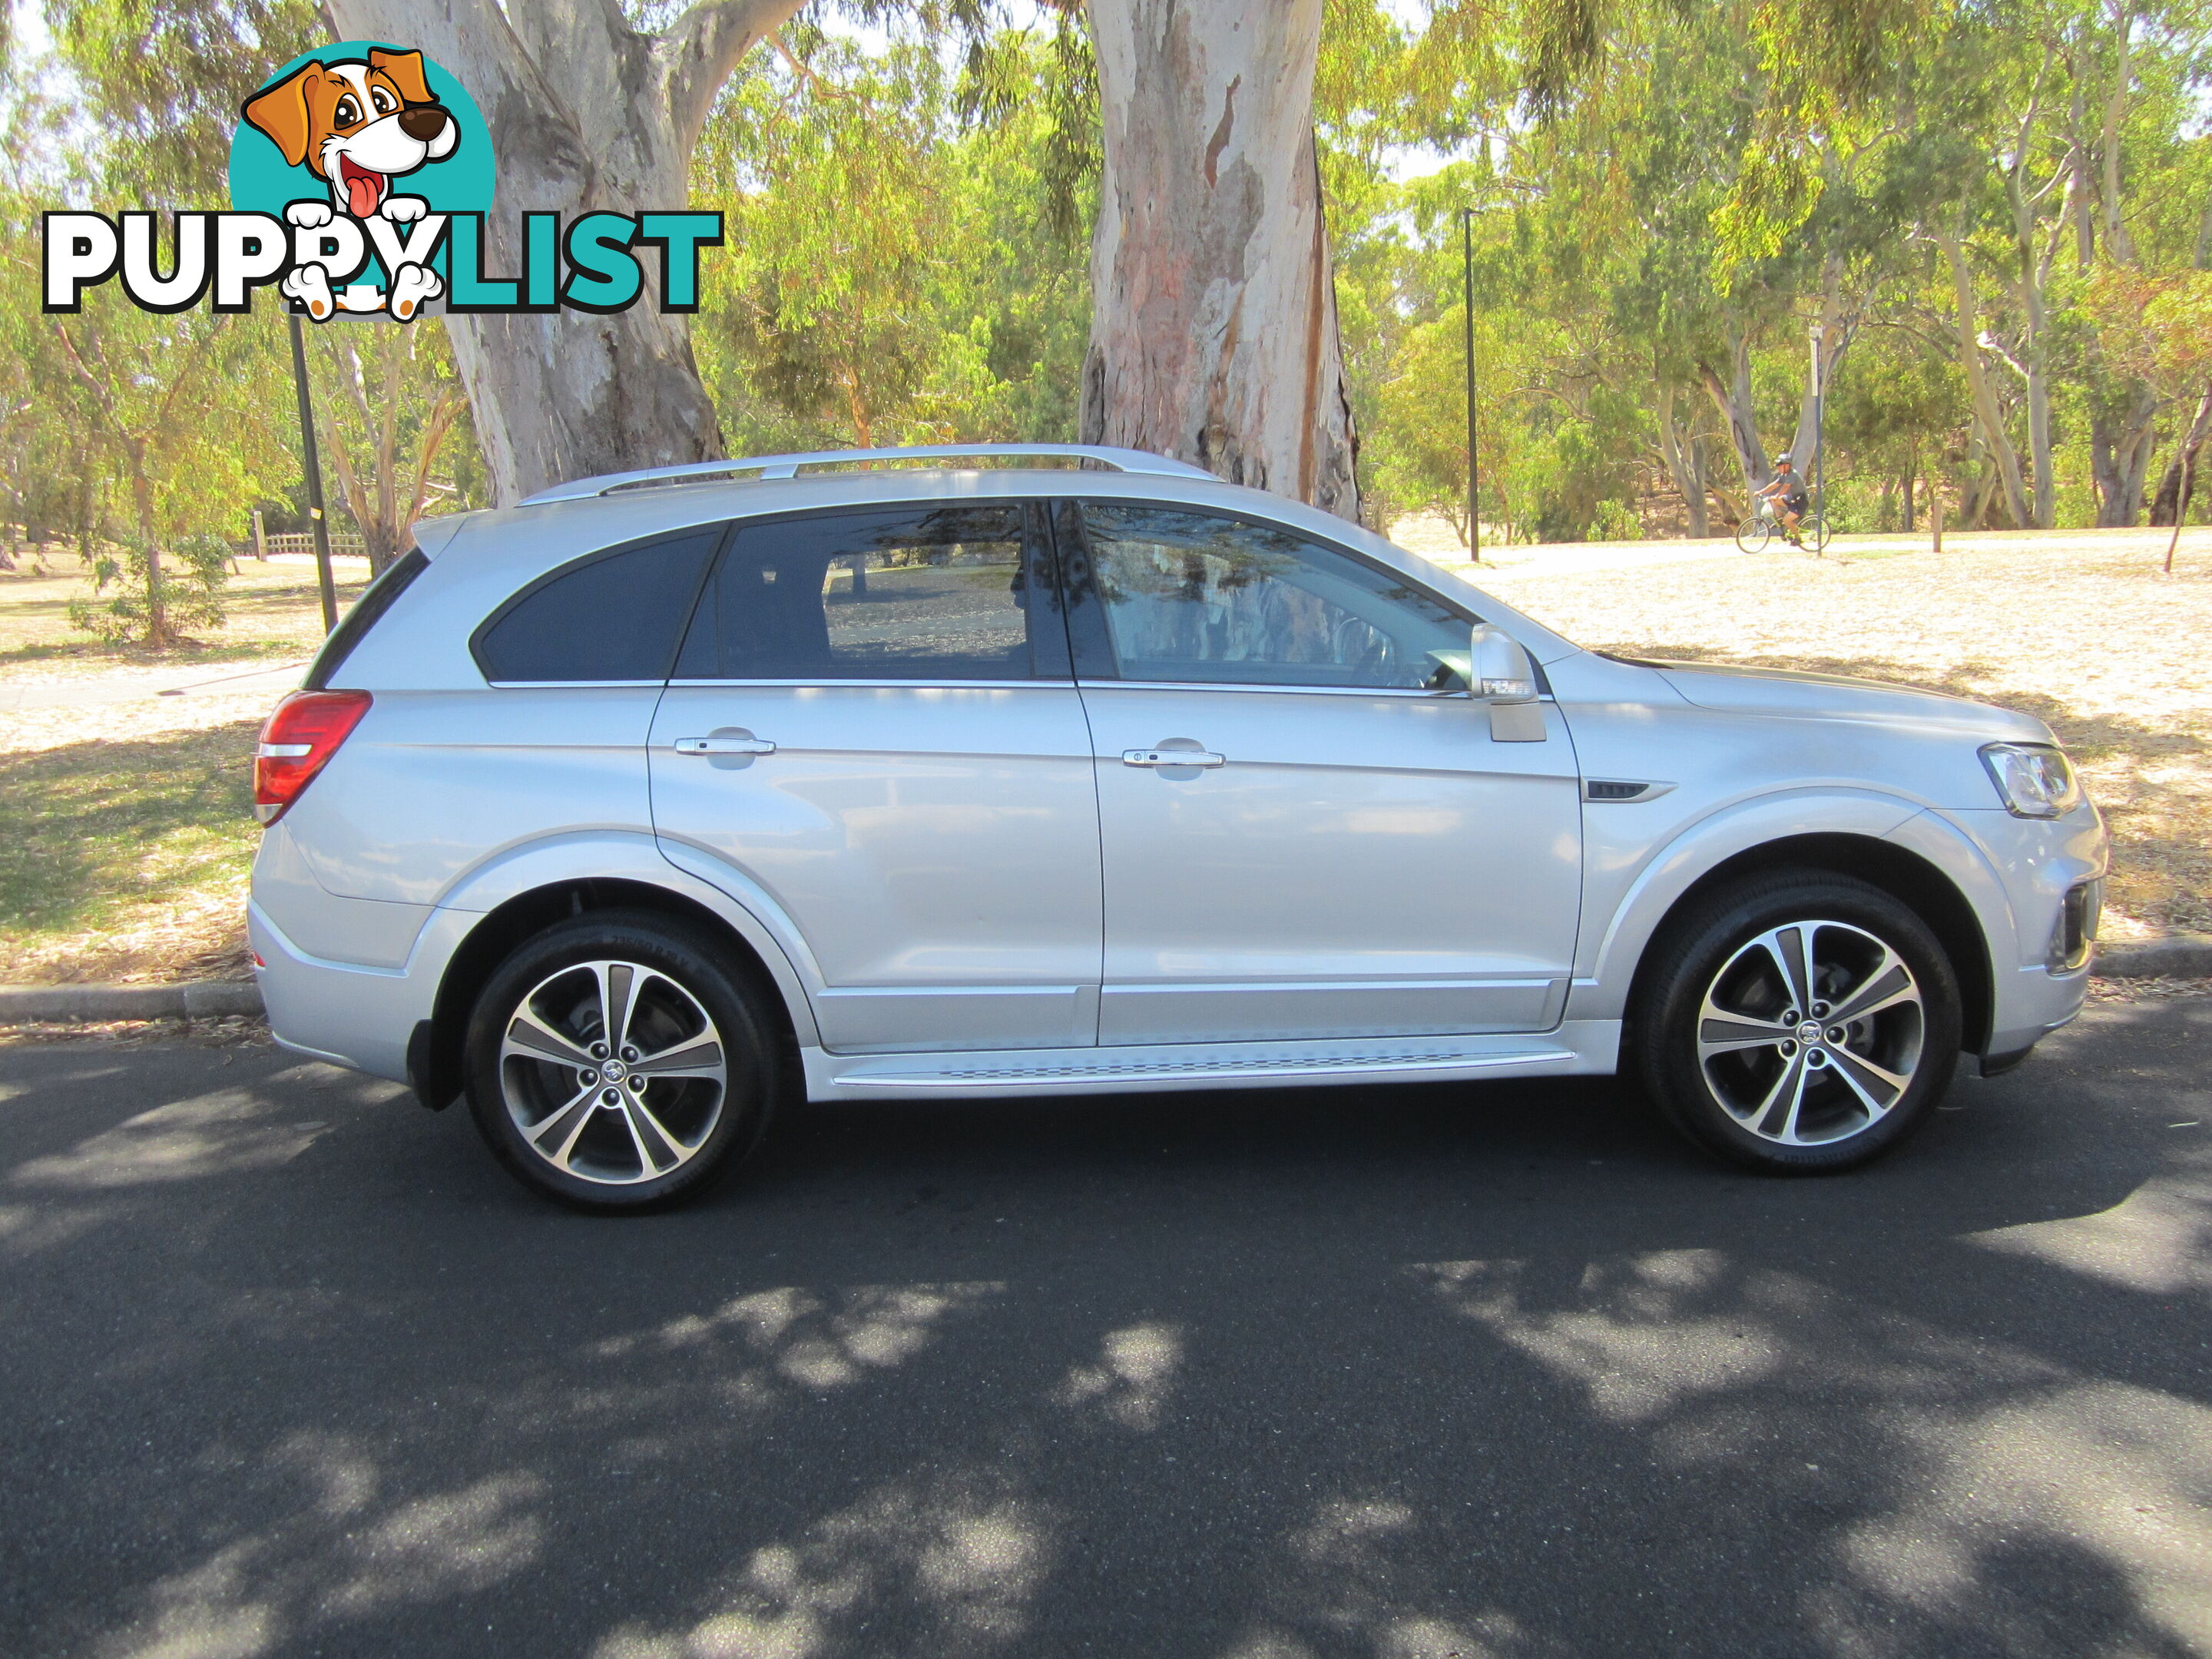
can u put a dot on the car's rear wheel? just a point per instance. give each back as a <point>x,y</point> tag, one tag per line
<point>615,1064</point>
<point>1798,1022</point>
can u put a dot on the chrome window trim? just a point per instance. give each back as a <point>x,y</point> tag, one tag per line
<point>1245,687</point>
<point>575,685</point>
<point>924,685</point>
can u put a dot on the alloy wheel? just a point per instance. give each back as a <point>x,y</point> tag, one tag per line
<point>1811,1032</point>
<point>613,1072</point>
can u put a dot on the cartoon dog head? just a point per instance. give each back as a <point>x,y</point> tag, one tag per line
<point>357,123</point>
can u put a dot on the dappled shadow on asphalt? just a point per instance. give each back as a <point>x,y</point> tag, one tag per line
<point>1406,1373</point>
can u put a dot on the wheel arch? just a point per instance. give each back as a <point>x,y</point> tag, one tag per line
<point>1903,874</point>
<point>434,1056</point>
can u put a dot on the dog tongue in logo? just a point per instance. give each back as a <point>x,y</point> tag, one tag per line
<point>364,189</point>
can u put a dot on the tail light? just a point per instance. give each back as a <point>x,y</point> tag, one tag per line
<point>301,735</point>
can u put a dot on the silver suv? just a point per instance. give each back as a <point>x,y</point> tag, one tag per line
<point>662,799</point>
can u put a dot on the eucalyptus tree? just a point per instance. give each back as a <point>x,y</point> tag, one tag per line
<point>894,275</point>
<point>586,113</point>
<point>388,405</point>
<point>1214,327</point>
<point>171,405</point>
<point>171,411</point>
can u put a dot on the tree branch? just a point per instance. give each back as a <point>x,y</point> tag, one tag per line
<point>700,49</point>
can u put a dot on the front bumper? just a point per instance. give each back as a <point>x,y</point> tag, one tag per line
<point>2040,973</point>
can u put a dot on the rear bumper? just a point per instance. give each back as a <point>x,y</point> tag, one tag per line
<point>340,1012</point>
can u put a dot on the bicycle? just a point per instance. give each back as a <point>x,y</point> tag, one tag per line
<point>1752,535</point>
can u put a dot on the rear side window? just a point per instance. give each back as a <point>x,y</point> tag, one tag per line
<point>368,609</point>
<point>614,616</point>
<point>938,593</point>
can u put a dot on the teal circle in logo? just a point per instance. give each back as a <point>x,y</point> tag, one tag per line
<point>265,180</point>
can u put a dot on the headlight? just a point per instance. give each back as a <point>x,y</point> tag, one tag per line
<point>2032,779</point>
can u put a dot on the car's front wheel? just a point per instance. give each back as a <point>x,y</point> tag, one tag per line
<point>1798,1022</point>
<point>614,1063</point>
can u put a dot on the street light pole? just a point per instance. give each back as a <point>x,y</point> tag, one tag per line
<point>1467,308</point>
<point>314,465</point>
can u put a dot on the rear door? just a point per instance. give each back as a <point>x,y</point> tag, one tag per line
<point>1305,833</point>
<point>873,723</point>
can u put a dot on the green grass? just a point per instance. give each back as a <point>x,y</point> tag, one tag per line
<point>92,832</point>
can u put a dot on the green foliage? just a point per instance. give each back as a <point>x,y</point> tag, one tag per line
<point>167,78</point>
<point>898,272</point>
<point>186,582</point>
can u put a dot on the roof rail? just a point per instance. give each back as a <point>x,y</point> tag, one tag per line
<point>786,467</point>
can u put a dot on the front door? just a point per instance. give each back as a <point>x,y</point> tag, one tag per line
<point>1346,852</point>
<point>873,723</point>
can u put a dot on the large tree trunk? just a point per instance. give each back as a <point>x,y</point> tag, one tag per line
<point>586,114</point>
<point>1838,321</point>
<point>1686,464</point>
<point>2180,482</point>
<point>1731,400</point>
<point>1213,335</point>
<point>2119,457</point>
<point>1987,415</point>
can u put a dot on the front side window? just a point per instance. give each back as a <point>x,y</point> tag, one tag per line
<point>612,617</point>
<point>939,593</point>
<point>1191,598</point>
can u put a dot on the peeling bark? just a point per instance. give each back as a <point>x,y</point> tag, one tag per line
<point>586,114</point>
<point>1213,335</point>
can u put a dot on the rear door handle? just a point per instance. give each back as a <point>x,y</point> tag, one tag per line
<point>723,746</point>
<point>1172,757</point>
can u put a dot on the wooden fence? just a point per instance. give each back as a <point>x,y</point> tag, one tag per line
<point>303,541</point>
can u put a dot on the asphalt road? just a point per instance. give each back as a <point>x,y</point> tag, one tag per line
<point>288,1367</point>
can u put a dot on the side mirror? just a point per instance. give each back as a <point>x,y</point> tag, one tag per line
<point>1498,669</point>
<point>1501,675</point>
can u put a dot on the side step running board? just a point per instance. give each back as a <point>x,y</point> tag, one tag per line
<point>1170,1071</point>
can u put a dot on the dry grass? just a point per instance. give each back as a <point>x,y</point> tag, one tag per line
<point>228,1031</point>
<point>126,835</point>
<point>2161,987</point>
<point>2080,629</point>
<point>275,613</point>
<point>126,828</point>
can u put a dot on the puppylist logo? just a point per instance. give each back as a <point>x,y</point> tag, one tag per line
<point>360,178</point>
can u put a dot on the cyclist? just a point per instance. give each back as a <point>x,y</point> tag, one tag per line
<point>1787,490</point>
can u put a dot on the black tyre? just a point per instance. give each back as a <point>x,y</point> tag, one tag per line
<point>615,1064</point>
<point>1798,1022</point>
<point>1814,533</point>
<point>1752,534</point>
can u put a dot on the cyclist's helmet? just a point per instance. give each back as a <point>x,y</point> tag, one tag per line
<point>1783,459</point>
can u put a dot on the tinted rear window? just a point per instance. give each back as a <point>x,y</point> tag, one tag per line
<point>368,609</point>
<point>942,594</point>
<point>614,615</point>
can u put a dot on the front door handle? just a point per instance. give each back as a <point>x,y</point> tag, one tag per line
<point>723,746</point>
<point>1172,757</point>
